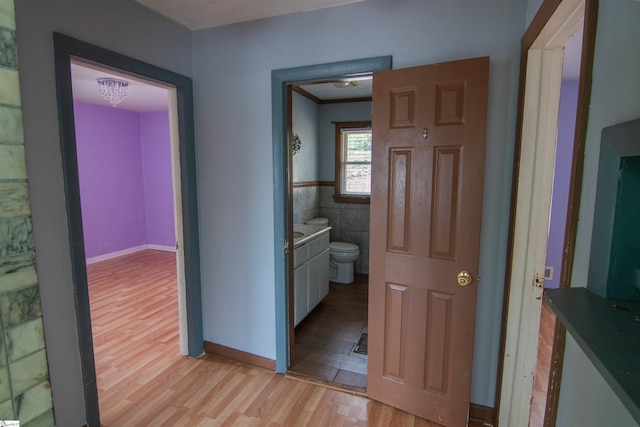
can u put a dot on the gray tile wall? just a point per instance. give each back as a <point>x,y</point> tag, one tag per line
<point>25,393</point>
<point>349,221</point>
<point>306,204</point>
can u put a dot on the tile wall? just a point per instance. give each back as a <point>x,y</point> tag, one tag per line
<point>349,221</point>
<point>306,203</point>
<point>25,393</point>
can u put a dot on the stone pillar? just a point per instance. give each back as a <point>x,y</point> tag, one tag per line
<point>25,393</point>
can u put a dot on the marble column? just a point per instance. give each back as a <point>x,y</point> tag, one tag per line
<point>25,392</point>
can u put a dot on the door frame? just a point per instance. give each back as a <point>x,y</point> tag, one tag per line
<point>66,49</point>
<point>283,232</point>
<point>530,201</point>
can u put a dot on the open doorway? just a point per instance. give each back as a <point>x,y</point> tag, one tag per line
<point>542,60</point>
<point>283,210</point>
<point>329,338</point>
<point>557,220</point>
<point>180,91</point>
<point>125,160</point>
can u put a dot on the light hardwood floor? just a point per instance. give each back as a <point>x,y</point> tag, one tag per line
<point>541,379</point>
<point>142,381</point>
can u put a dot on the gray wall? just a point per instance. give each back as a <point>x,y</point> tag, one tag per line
<point>232,71</point>
<point>127,28</point>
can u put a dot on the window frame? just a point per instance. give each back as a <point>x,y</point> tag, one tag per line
<point>339,196</point>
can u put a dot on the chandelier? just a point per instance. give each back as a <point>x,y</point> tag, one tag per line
<point>113,90</point>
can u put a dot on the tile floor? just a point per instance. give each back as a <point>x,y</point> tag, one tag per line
<point>325,339</point>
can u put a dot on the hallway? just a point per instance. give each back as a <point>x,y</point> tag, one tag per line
<point>142,380</point>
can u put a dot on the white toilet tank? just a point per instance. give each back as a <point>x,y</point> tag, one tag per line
<point>318,221</point>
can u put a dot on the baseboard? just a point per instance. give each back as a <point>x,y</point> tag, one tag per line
<point>116,254</point>
<point>481,416</point>
<point>128,251</point>
<point>163,248</point>
<point>239,356</point>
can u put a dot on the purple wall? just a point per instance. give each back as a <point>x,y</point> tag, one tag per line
<point>156,158</point>
<point>562,173</point>
<point>123,178</point>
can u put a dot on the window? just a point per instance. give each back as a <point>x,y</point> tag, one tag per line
<point>353,162</point>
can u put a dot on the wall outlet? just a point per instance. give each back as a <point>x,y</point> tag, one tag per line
<point>548,273</point>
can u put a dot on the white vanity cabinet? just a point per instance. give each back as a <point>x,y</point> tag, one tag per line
<point>311,275</point>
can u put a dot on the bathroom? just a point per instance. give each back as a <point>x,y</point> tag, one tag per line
<point>329,342</point>
<point>314,123</point>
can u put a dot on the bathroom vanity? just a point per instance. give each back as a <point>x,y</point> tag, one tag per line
<point>311,268</point>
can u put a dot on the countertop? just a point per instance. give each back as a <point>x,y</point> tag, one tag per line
<point>310,232</point>
<point>608,331</point>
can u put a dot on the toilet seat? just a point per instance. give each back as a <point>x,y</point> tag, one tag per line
<point>343,247</point>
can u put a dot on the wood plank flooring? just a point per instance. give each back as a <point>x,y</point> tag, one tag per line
<point>541,379</point>
<point>325,339</point>
<point>142,381</point>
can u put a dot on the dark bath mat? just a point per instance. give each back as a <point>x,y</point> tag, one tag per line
<point>361,347</point>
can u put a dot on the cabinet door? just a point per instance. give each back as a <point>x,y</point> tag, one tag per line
<point>323,286</point>
<point>314,282</point>
<point>300,293</point>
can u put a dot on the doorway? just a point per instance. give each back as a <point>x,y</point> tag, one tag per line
<point>183,150</point>
<point>445,86</point>
<point>557,221</point>
<point>124,149</point>
<point>283,223</point>
<point>328,343</point>
<point>542,58</point>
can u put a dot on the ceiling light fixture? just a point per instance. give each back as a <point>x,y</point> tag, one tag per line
<point>345,83</point>
<point>113,90</point>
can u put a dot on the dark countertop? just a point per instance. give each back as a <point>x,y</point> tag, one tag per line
<point>608,331</point>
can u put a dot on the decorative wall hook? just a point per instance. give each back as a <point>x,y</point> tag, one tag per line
<point>295,148</point>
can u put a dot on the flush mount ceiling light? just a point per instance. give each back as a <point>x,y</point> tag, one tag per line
<point>345,83</point>
<point>113,90</point>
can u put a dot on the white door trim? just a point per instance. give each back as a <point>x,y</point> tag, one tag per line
<point>533,204</point>
<point>178,220</point>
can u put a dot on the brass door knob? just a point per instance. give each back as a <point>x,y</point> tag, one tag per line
<point>464,278</point>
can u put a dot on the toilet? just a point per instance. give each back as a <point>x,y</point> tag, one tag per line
<point>342,255</point>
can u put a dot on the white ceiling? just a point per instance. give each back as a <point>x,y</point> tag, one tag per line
<point>143,96</point>
<point>200,14</point>
<point>328,91</point>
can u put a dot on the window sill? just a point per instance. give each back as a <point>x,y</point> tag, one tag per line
<point>352,199</point>
<point>608,331</point>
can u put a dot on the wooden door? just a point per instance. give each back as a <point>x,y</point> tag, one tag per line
<point>429,126</point>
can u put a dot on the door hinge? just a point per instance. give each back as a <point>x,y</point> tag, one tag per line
<point>286,249</point>
<point>538,280</point>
